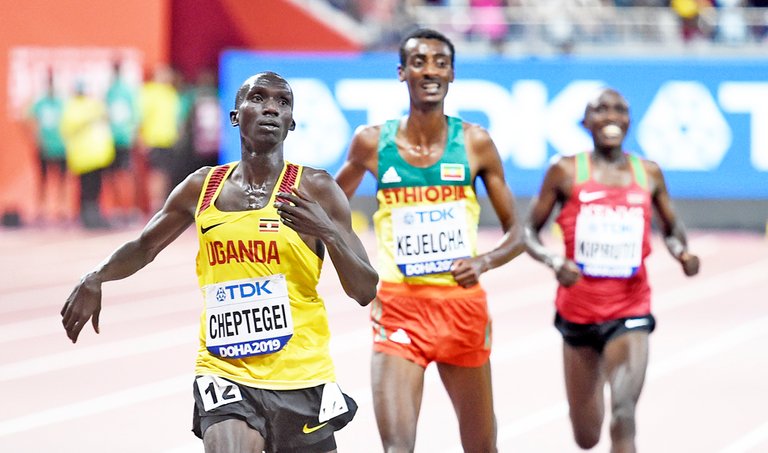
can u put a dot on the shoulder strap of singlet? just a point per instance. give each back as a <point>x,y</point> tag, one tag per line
<point>387,134</point>
<point>213,181</point>
<point>289,179</point>
<point>583,167</point>
<point>638,169</point>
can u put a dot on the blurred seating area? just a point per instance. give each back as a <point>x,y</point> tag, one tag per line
<point>587,27</point>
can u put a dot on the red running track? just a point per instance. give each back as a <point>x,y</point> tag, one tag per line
<point>129,388</point>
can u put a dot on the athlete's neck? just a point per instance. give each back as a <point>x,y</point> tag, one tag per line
<point>611,155</point>
<point>425,130</point>
<point>256,169</point>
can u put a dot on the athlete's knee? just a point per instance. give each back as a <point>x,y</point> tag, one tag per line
<point>623,420</point>
<point>488,447</point>
<point>398,442</point>
<point>586,438</point>
<point>478,431</point>
<point>396,446</point>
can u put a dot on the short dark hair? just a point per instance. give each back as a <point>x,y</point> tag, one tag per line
<point>425,33</point>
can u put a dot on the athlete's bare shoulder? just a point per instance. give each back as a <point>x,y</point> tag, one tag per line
<point>185,196</point>
<point>476,135</point>
<point>563,166</point>
<point>195,180</point>
<point>364,147</point>
<point>317,182</point>
<point>560,175</point>
<point>655,174</point>
<point>366,137</point>
<point>651,166</point>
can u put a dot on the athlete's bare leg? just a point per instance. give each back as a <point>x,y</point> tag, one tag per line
<point>232,436</point>
<point>625,361</point>
<point>471,394</point>
<point>584,382</point>
<point>398,385</point>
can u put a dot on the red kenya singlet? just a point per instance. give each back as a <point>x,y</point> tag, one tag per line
<point>606,230</point>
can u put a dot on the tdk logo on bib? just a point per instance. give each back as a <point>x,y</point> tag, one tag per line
<point>433,215</point>
<point>242,291</point>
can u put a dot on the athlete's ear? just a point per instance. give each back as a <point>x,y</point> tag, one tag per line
<point>292,126</point>
<point>400,71</point>
<point>233,118</point>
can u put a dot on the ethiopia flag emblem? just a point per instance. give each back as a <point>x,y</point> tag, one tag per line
<point>452,172</point>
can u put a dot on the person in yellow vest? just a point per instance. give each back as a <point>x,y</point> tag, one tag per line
<point>89,150</point>
<point>160,110</point>
<point>430,306</point>
<point>265,378</point>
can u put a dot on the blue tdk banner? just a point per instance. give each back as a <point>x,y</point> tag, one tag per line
<point>703,121</point>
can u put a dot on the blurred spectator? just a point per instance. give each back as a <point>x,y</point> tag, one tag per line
<point>387,19</point>
<point>201,129</point>
<point>160,109</point>
<point>347,6</point>
<point>45,116</point>
<point>489,22</point>
<point>122,105</point>
<point>731,25</point>
<point>689,13</point>
<point>89,150</point>
<point>759,31</point>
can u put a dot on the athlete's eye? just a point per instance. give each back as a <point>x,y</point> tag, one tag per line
<point>417,62</point>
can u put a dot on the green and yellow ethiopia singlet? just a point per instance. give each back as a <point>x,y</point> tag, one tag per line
<point>264,325</point>
<point>427,217</point>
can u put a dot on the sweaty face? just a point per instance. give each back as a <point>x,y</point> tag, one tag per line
<point>266,108</point>
<point>607,118</point>
<point>428,70</point>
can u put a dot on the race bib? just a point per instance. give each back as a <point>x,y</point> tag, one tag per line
<point>332,403</point>
<point>609,241</point>
<point>216,391</point>
<point>248,317</point>
<point>427,239</point>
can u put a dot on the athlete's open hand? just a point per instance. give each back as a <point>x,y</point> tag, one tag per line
<point>83,303</point>
<point>690,264</point>
<point>303,214</point>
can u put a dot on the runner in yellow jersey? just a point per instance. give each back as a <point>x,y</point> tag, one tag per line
<point>430,307</point>
<point>265,379</point>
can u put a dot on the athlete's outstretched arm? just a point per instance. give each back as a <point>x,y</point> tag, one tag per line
<point>671,226</point>
<point>177,214</point>
<point>361,157</point>
<point>554,191</point>
<point>319,208</point>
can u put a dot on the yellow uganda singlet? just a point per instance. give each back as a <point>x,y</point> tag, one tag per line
<point>263,325</point>
<point>427,217</point>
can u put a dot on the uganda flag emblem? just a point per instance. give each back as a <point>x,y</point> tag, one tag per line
<point>269,225</point>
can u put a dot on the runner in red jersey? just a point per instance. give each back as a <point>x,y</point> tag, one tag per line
<point>606,198</point>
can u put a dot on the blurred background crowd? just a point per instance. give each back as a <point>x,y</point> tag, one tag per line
<point>565,26</point>
<point>120,146</point>
<point>111,125</point>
